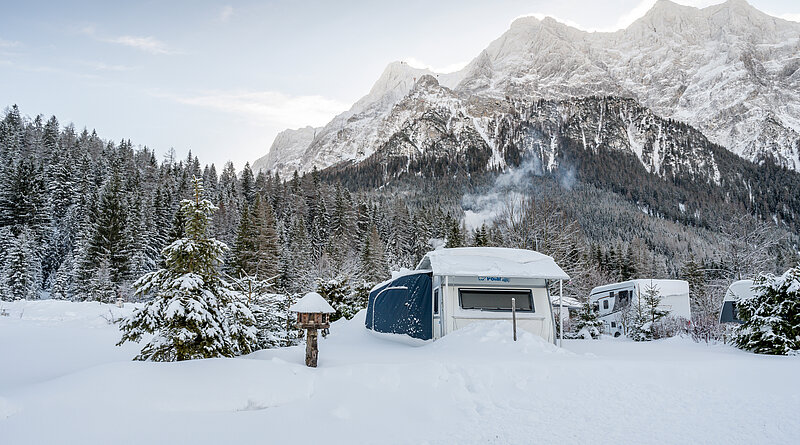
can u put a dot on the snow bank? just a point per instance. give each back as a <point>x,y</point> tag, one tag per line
<point>7,409</point>
<point>60,312</point>
<point>473,386</point>
<point>494,338</point>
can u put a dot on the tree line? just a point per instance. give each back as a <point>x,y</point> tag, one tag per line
<point>82,218</point>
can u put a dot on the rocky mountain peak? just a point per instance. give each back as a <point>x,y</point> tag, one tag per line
<point>729,70</point>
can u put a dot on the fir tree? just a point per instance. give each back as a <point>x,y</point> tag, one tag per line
<point>265,240</point>
<point>645,313</point>
<point>771,317</point>
<point>248,184</point>
<point>587,324</point>
<point>244,250</point>
<point>22,269</point>
<point>194,312</point>
<point>455,237</point>
<point>373,259</point>
<point>338,292</point>
<point>109,241</point>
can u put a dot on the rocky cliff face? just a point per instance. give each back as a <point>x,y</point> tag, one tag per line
<point>729,70</point>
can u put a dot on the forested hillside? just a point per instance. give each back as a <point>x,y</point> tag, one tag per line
<point>81,218</point>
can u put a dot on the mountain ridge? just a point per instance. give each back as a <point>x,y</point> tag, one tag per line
<point>729,70</point>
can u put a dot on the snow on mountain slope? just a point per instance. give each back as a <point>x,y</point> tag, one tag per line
<point>352,134</point>
<point>287,150</point>
<point>729,70</point>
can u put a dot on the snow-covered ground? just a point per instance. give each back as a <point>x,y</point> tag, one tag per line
<point>62,381</point>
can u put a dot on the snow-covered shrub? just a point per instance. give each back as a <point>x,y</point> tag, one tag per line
<point>708,328</point>
<point>771,317</point>
<point>587,325</point>
<point>669,326</point>
<point>274,323</point>
<point>345,297</point>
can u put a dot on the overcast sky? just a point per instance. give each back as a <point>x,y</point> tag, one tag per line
<point>223,78</point>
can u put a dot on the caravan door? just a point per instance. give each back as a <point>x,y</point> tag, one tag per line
<point>437,313</point>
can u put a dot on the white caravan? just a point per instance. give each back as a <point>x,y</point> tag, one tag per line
<point>611,300</point>
<point>473,284</point>
<point>736,291</point>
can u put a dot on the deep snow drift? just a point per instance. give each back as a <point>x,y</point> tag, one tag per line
<point>62,380</point>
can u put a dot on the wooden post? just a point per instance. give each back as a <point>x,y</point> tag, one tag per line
<point>312,350</point>
<point>514,316</point>
<point>560,312</point>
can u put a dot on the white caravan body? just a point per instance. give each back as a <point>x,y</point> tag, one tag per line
<point>611,300</point>
<point>736,291</point>
<point>474,284</point>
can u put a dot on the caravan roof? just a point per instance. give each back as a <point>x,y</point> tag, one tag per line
<point>473,261</point>
<point>739,290</point>
<point>666,287</point>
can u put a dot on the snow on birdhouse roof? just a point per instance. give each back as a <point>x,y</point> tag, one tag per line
<point>312,303</point>
<point>496,261</point>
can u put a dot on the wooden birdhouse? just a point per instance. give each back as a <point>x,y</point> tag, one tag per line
<point>313,313</point>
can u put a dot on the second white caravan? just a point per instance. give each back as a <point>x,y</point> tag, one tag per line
<point>612,300</point>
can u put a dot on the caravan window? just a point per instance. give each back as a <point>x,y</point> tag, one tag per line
<point>605,304</point>
<point>623,299</point>
<point>495,300</point>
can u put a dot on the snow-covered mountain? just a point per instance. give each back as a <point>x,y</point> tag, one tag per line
<point>287,150</point>
<point>729,70</point>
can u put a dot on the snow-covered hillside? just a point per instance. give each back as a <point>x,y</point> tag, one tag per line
<point>729,70</point>
<point>67,383</point>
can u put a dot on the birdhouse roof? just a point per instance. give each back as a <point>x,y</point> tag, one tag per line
<point>312,303</point>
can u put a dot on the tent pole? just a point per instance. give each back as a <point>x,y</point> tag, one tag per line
<point>560,312</point>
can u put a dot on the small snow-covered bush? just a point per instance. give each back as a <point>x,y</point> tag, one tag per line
<point>668,326</point>
<point>707,328</point>
<point>587,325</point>
<point>771,317</point>
<point>274,322</point>
<point>346,297</point>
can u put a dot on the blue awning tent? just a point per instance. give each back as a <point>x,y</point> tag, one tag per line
<point>403,305</point>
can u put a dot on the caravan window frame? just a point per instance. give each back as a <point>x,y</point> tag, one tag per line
<point>515,292</point>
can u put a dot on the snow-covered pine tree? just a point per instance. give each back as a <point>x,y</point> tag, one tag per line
<point>109,236</point>
<point>62,282</point>
<point>587,324</point>
<point>265,239</point>
<point>455,236</point>
<point>338,293</point>
<point>652,301</point>
<point>194,312</point>
<point>244,255</point>
<point>644,313</point>
<point>481,237</point>
<point>373,258</point>
<point>101,287</point>
<point>771,317</point>
<point>270,311</point>
<point>248,183</point>
<point>22,269</point>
